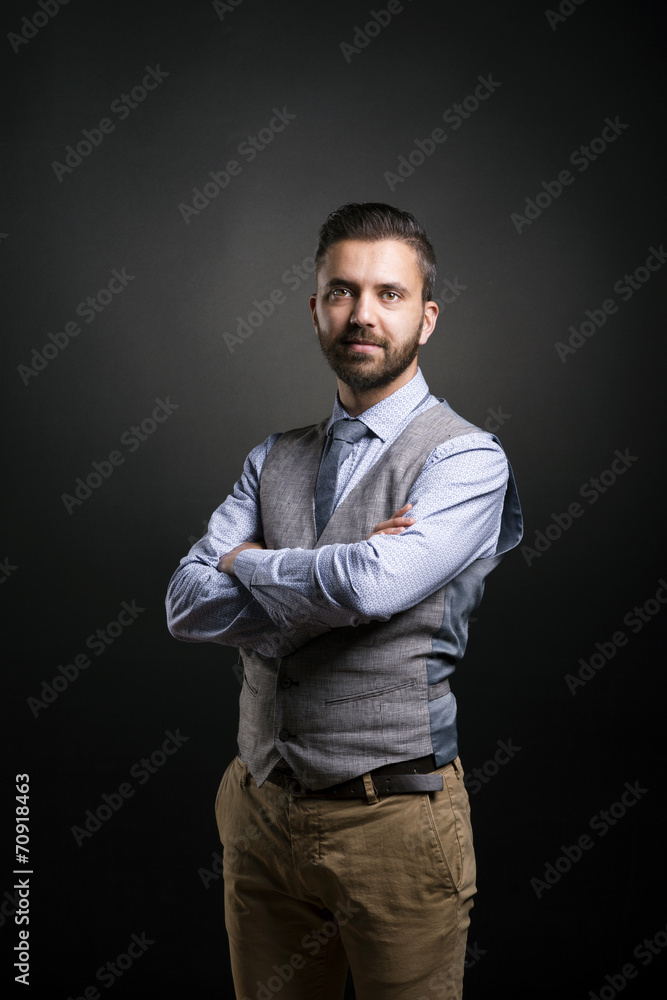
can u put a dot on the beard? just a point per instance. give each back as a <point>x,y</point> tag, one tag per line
<point>368,371</point>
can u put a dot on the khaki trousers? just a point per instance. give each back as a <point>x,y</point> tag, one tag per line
<point>311,885</point>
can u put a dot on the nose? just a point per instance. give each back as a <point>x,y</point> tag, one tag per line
<point>364,313</point>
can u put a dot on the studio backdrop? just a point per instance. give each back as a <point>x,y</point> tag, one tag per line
<point>167,168</point>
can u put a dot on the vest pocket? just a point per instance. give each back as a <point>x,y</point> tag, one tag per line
<point>382,721</point>
<point>376,693</point>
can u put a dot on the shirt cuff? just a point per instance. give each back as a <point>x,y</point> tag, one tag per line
<point>247,562</point>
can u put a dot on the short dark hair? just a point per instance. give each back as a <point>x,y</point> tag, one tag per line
<point>373,221</point>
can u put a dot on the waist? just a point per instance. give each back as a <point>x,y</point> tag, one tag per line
<point>395,778</point>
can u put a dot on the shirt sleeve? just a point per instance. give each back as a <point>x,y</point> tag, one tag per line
<point>204,605</point>
<point>457,502</point>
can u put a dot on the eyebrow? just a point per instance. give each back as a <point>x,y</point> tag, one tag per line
<point>334,282</point>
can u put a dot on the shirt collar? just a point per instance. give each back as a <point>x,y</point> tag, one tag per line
<point>391,411</point>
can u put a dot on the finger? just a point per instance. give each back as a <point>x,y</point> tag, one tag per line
<point>383,525</point>
<point>394,522</point>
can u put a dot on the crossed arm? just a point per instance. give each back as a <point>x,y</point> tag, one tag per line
<point>397,523</point>
<point>230,589</point>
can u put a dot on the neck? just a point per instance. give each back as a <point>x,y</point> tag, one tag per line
<point>357,401</point>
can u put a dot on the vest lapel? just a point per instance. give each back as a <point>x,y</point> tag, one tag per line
<point>386,485</point>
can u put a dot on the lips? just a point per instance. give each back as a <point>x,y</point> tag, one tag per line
<point>362,346</point>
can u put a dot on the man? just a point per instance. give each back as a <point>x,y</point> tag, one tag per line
<point>345,566</point>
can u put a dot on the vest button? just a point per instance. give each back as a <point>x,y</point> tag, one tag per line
<point>286,682</point>
<point>284,735</point>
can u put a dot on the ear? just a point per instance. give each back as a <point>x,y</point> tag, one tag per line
<point>312,302</point>
<point>431,311</point>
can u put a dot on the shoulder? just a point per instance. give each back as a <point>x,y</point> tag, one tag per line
<point>470,440</point>
<point>447,431</point>
<point>257,457</point>
<point>458,433</point>
<point>460,439</point>
<point>298,439</point>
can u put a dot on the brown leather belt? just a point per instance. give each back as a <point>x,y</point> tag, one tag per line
<point>402,778</point>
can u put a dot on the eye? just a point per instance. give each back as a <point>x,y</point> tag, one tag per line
<point>394,295</point>
<point>337,293</point>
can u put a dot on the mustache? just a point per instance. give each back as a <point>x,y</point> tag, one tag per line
<point>358,333</point>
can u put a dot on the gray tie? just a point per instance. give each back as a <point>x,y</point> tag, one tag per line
<point>344,434</point>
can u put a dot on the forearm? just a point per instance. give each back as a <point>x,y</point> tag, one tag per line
<point>204,605</point>
<point>288,584</point>
<point>348,585</point>
<point>457,503</point>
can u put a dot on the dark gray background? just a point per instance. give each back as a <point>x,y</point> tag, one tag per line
<point>494,347</point>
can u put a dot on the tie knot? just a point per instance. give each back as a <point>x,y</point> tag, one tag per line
<point>349,430</point>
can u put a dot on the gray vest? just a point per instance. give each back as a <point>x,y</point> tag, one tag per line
<point>361,696</point>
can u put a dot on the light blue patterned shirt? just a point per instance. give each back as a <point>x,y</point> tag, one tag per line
<point>280,599</point>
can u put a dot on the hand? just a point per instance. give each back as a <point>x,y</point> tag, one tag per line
<point>226,564</point>
<point>395,524</point>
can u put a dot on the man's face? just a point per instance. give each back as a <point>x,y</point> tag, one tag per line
<point>368,311</point>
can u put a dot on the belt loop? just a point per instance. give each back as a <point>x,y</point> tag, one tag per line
<point>456,764</point>
<point>245,774</point>
<point>370,789</point>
